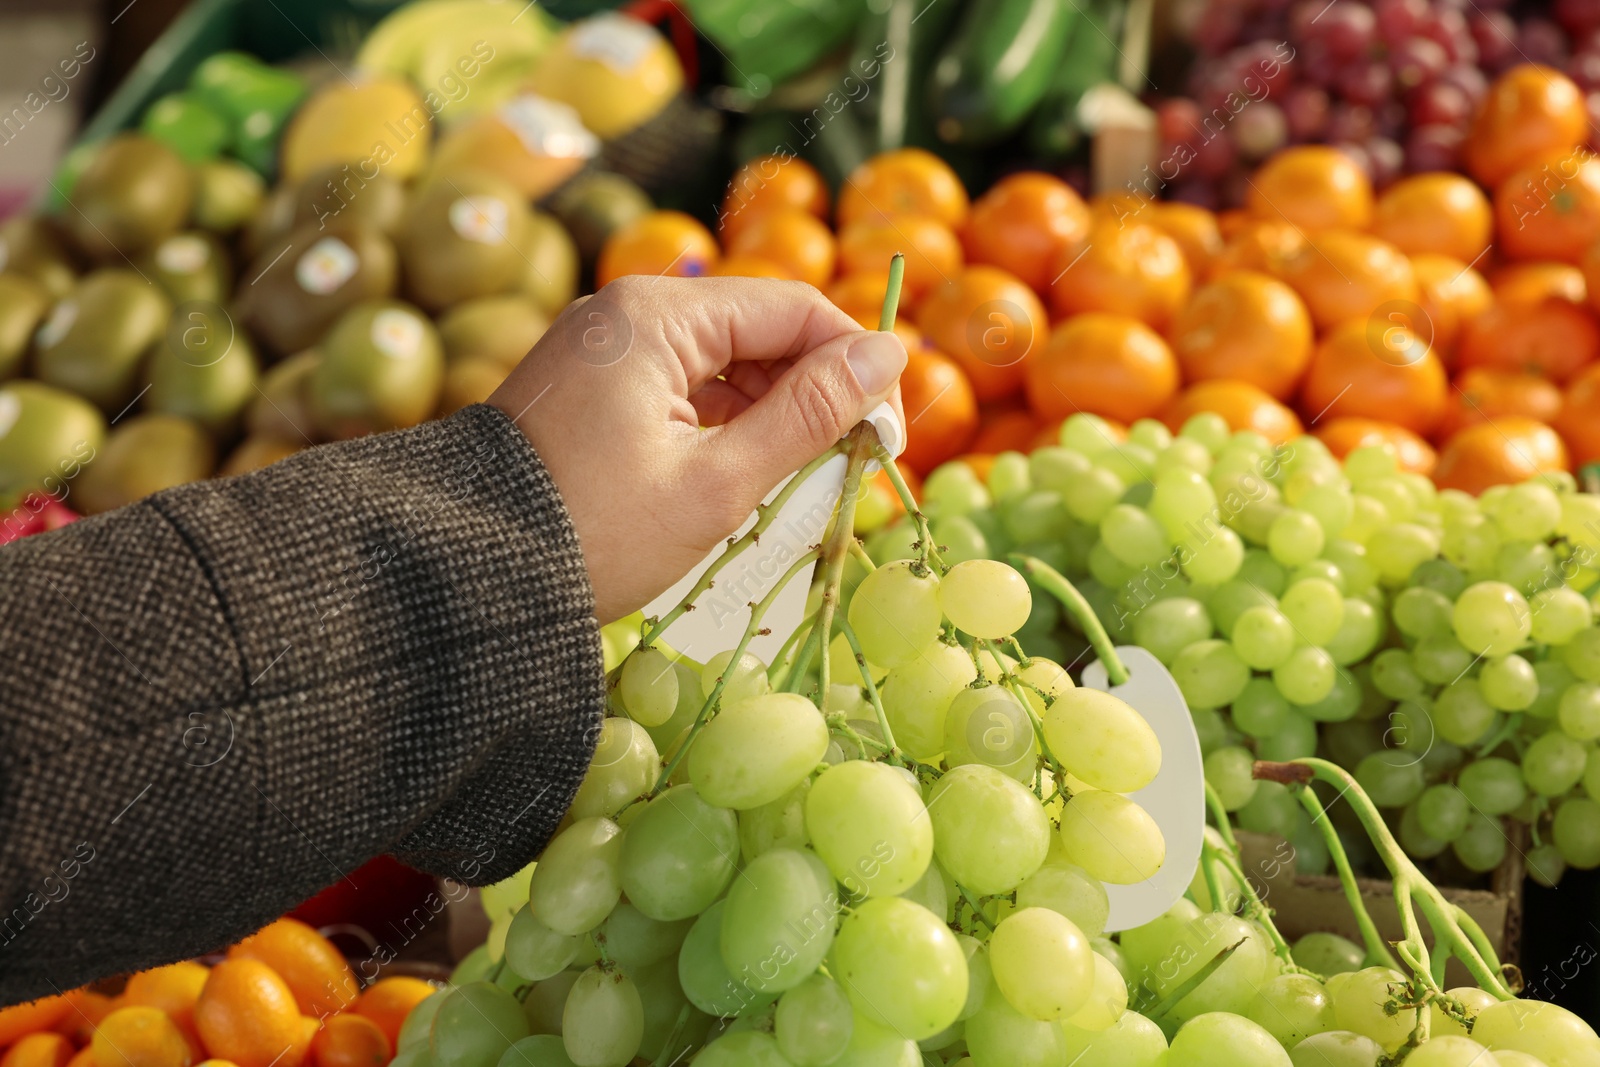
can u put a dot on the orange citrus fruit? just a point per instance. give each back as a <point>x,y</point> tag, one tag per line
<point>1345,435</point>
<point>388,1001</point>
<point>1006,431</point>
<point>138,1036</point>
<point>738,266</point>
<point>1263,245</point>
<point>933,254</point>
<point>860,295</point>
<point>1483,393</point>
<point>768,183</point>
<point>941,412</point>
<point>657,242</point>
<point>1435,212</point>
<point>43,1049</point>
<point>1530,111</point>
<point>1314,187</point>
<point>905,181</point>
<point>794,239</point>
<point>1533,282</point>
<point>988,321</point>
<point>1550,210</point>
<point>1194,228</point>
<point>1245,326</point>
<point>1024,223</point>
<point>247,1014</point>
<point>315,971</point>
<point>1109,365</point>
<point>1342,276</point>
<point>1133,270</point>
<point>1241,405</point>
<point>41,1014</point>
<point>1502,451</point>
<point>1579,420</point>
<point>1375,371</point>
<point>86,1009</point>
<point>348,1040</point>
<point>1552,337</point>
<point>173,988</point>
<point>1451,294</point>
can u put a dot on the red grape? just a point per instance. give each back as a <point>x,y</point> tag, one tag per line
<point>1578,16</point>
<point>1366,83</point>
<point>1399,18</point>
<point>1218,31</point>
<point>1541,41</point>
<point>1317,67</point>
<point>1262,63</point>
<point>1387,160</point>
<point>1350,122</point>
<point>1417,61</point>
<point>1199,192</point>
<point>1305,107</point>
<point>1584,68</point>
<point>1433,148</point>
<point>1438,102</point>
<point>1177,119</point>
<point>1260,130</point>
<point>1357,154</point>
<point>1348,29</point>
<point>1448,29</point>
<point>1390,119</point>
<point>1213,158</point>
<point>1469,79</point>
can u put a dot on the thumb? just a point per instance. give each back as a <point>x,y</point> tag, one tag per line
<point>810,407</point>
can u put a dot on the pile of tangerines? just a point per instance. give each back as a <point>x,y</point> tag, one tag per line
<point>1453,315</point>
<point>283,997</point>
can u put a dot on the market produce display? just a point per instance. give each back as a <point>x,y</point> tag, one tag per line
<point>282,996</point>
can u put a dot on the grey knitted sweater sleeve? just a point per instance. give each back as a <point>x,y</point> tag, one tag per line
<point>222,699</point>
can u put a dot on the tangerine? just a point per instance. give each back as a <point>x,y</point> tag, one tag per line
<point>1552,337</point>
<point>1579,421</point>
<point>1242,405</point>
<point>989,322</point>
<point>1343,275</point>
<point>1450,294</point>
<point>1006,431</point>
<point>905,181</point>
<point>1106,364</point>
<point>796,240</point>
<point>1550,210</point>
<point>1263,245</point>
<point>44,1048</point>
<point>1483,393</point>
<point>933,254</point>
<point>1133,270</point>
<point>1194,228</point>
<point>173,988</point>
<point>247,1014</point>
<point>767,183</point>
<point>1378,371</point>
<point>941,411</point>
<point>348,1040</point>
<point>1345,435</point>
<point>658,242</point>
<point>1246,326</point>
<point>41,1014</point>
<point>1501,451</point>
<point>139,1036</point>
<point>1313,187</point>
<point>1024,224</point>
<point>1436,212</point>
<point>738,266</point>
<point>315,971</point>
<point>1530,111</point>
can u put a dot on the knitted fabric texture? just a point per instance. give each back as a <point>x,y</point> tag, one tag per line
<point>224,698</point>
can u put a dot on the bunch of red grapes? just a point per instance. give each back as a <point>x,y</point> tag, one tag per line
<point>1394,82</point>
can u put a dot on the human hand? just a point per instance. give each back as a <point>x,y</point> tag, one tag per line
<point>614,395</point>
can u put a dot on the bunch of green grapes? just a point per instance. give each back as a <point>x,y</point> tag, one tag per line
<point>1442,647</point>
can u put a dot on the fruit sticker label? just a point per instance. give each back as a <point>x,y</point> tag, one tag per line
<point>397,334</point>
<point>619,42</point>
<point>10,411</point>
<point>57,325</point>
<point>548,128</point>
<point>480,218</point>
<point>183,254</point>
<point>327,265</point>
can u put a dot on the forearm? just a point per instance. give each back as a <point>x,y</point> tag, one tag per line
<point>237,692</point>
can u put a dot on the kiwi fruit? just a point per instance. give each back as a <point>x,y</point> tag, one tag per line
<point>342,193</point>
<point>144,455</point>
<point>464,237</point>
<point>273,218</point>
<point>190,266</point>
<point>47,436</point>
<point>498,328</point>
<point>227,194</point>
<point>134,193</point>
<point>23,303</point>
<point>93,342</point>
<point>592,206</point>
<point>381,369</point>
<point>551,265</point>
<point>301,283</point>
<point>203,370</point>
<point>33,246</point>
<point>281,407</point>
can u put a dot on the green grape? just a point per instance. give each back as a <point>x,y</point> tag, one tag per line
<point>1545,864</point>
<point>690,700</point>
<point>474,1025</point>
<point>1102,740</point>
<point>1231,599</point>
<point>1111,837</point>
<point>743,1048</point>
<point>1358,1004</point>
<point>901,967</point>
<point>603,1022</point>
<point>648,687</point>
<point>1134,537</point>
<point>1008,475</point>
<point>1263,637</point>
<point>1271,810</point>
<point>1391,777</point>
<point>474,965</point>
<point>1069,890</point>
<point>1337,1048</point>
<point>779,920</point>
<point>989,831</point>
<point>1210,673</point>
<point>1044,681</point>
<point>1576,832</point>
<point>703,975</point>
<point>1530,511</point>
<point>577,882</point>
<point>1228,772</point>
<point>1367,517</point>
<point>813,1022</point>
<point>917,695</point>
<point>1184,453</point>
<point>1482,845</point>
<point>1472,543</point>
<point>1351,559</point>
<point>1509,683</point>
<point>1213,729</point>
<point>1232,985</point>
<point>1559,614</point>
<point>1055,467</point>
<point>506,896</point>
<point>1042,963</point>
<point>1553,763</point>
<point>747,679</point>
<point>1581,654</point>
<point>1295,537</point>
<point>1291,1007</point>
<point>545,1001</point>
<point>543,1050</point>
<point>1092,495</point>
<point>1208,428</point>
<point>1213,558</point>
<point>985,598</point>
<point>1039,516</point>
<point>780,824</point>
<point>1358,634</point>
<point>624,766</point>
<point>896,541</point>
<point>1259,710</point>
<point>1395,676</point>
<point>1419,612</point>
<point>1316,609</point>
<point>1440,659</point>
<point>869,826</point>
<point>1131,1041</point>
<point>1470,999</point>
<point>1320,568</point>
<point>1108,999</point>
<point>1001,1036</point>
<point>678,855</point>
<point>959,539</point>
<point>989,725</point>
<point>1221,1039</point>
<point>1342,702</point>
<point>1525,565</point>
<point>1591,774</point>
<point>980,976</point>
<point>1548,1031</point>
<point>1327,954</point>
<point>1442,811</point>
<point>1492,618</point>
<point>1331,504</point>
<point>1132,463</point>
<point>1579,711</point>
<point>1398,548</point>
<point>931,892</point>
<point>1439,576</point>
<point>1105,567</point>
<point>1166,627</point>
<point>895,613</point>
<point>1087,433</point>
<point>1150,433</point>
<point>1181,497</point>
<point>1307,676</point>
<point>1396,496</point>
<point>1146,947</point>
<point>756,750</point>
<point>1461,714</point>
<point>634,940</point>
<point>1418,844</point>
<point>953,489</point>
<point>415,1031</point>
<point>1296,740</point>
<point>535,951</point>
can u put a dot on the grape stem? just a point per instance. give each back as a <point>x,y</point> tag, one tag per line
<point>788,647</point>
<point>972,902</point>
<point>838,547</point>
<point>667,1057</point>
<point>1455,933</point>
<point>766,514</point>
<point>872,693</point>
<point>1012,684</point>
<point>1053,582</point>
<point>1507,731</point>
<point>757,611</point>
<point>861,555</point>
<point>1228,856</point>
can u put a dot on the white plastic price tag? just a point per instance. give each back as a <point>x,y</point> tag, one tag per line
<point>722,612</point>
<point>1176,799</point>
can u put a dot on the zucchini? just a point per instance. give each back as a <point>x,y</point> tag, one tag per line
<point>1054,132</point>
<point>997,66</point>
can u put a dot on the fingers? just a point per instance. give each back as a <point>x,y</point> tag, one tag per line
<point>807,409</point>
